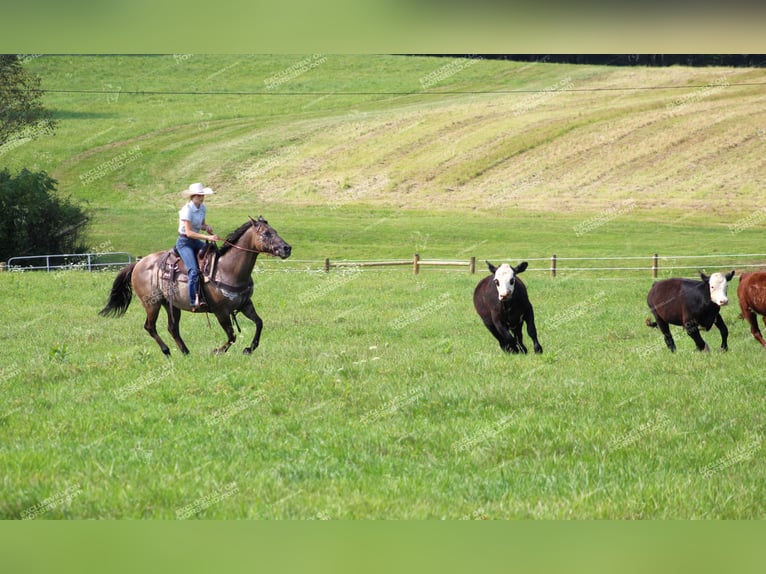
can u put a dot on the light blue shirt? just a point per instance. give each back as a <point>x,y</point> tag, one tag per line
<point>191,212</point>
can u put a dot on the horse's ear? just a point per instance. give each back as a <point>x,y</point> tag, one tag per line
<point>251,220</point>
<point>520,267</point>
<point>491,267</point>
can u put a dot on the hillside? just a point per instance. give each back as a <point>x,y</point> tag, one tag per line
<point>396,131</point>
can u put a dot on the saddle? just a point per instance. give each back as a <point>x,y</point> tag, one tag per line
<point>175,268</point>
<point>172,268</point>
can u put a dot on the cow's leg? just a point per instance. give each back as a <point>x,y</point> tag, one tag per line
<point>724,332</point>
<point>532,330</point>
<point>752,318</point>
<point>693,330</point>
<point>503,336</point>
<point>665,330</point>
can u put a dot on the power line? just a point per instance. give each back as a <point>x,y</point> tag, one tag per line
<point>392,93</point>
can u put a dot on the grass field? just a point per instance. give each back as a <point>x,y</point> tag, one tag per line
<point>376,393</point>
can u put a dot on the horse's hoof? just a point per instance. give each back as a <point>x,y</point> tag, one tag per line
<point>247,351</point>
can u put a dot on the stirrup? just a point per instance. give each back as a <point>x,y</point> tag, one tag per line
<point>199,305</point>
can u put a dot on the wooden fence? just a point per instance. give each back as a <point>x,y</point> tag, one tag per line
<point>416,263</point>
<point>557,265</point>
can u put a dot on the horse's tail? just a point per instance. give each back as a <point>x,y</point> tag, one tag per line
<point>122,293</point>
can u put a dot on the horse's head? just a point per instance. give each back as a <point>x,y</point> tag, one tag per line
<point>265,239</point>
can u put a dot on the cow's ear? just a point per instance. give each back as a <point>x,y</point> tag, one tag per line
<point>705,278</point>
<point>491,267</point>
<point>520,267</point>
<point>730,275</point>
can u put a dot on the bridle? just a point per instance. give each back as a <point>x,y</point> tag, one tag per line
<point>227,242</point>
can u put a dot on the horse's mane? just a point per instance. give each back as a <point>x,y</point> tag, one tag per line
<point>234,237</point>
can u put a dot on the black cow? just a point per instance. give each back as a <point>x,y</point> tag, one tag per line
<point>502,303</point>
<point>691,304</point>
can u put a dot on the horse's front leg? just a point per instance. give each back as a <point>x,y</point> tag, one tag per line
<point>248,310</point>
<point>225,321</point>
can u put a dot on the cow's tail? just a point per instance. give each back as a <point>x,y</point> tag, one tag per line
<point>121,294</point>
<point>650,323</point>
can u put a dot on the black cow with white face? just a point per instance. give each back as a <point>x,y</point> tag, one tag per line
<point>691,304</point>
<point>502,303</point>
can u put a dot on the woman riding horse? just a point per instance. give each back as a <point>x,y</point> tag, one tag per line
<point>229,289</point>
<point>191,219</point>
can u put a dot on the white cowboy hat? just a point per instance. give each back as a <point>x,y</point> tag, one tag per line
<point>197,189</point>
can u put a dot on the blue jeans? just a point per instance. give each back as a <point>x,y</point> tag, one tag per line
<point>188,249</point>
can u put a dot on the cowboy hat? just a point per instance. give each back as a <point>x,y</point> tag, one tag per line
<point>197,189</point>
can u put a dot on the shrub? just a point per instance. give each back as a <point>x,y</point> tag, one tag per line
<point>34,219</point>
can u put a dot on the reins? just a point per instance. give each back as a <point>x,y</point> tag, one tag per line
<point>227,242</point>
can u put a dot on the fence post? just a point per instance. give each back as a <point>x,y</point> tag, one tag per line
<point>415,264</point>
<point>553,265</point>
<point>654,265</point>
<point>327,265</point>
<point>472,265</point>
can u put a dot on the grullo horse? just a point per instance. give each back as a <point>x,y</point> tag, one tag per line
<point>228,289</point>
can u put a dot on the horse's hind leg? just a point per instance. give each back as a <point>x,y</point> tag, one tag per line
<point>174,318</point>
<point>152,312</point>
<point>249,311</point>
<point>225,321</point>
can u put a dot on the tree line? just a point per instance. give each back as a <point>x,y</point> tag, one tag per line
<point>34,218</point>
<point>695,60</point>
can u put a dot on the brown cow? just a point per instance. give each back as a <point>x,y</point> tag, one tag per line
<point>751,293</point>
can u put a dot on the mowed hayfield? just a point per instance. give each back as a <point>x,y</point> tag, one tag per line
<point>377,393</point>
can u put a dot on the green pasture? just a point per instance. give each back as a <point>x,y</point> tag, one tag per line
<point>374,394</point>
<point>377,393</point>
